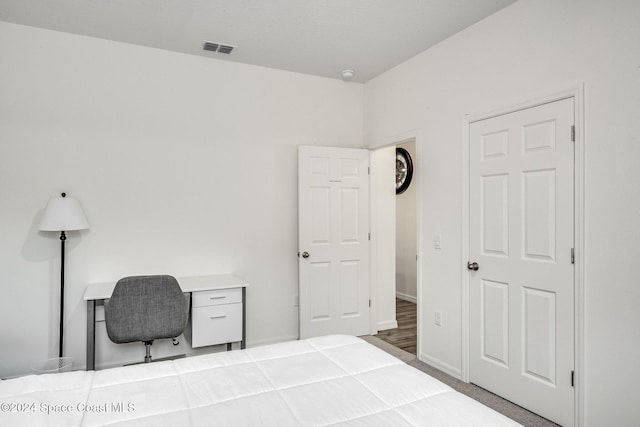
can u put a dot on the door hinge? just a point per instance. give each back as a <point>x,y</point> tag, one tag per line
<point>573,133</point>
<point>369,235</point>
<point>369,303</point>
<point>573,378</point>
<point>573,256</point>
<point>368,170</point>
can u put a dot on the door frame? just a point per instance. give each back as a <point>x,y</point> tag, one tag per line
<point>577,93</point>
<point>415,135</point>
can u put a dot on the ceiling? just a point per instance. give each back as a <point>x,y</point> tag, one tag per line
<point>318,37</point>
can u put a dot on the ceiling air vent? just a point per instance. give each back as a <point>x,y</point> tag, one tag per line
<point>225,49</point>
<point>218,47</point>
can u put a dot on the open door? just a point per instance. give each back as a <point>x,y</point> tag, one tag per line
<point>333,240</point>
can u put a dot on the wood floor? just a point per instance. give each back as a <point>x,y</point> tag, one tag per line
<point>404,336</point>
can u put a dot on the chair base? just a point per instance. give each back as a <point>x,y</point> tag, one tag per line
<point>147,347</point>
<point>148,359</point>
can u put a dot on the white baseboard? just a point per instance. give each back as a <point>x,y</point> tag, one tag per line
<point>273,340</point>
<point>406,297</point>
<point>388,324</point>
<point>444,367</point>
<point>190,352</point>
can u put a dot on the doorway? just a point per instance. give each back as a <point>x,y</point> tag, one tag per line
<point>405,331</point>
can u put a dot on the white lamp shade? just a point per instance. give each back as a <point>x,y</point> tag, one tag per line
<point>63,214</point>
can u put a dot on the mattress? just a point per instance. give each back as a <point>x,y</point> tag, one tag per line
<point>325,381</point>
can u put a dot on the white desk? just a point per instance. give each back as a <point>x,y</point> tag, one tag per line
<point>200,287</point>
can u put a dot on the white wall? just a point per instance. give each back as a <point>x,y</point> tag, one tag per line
<point>407,234</point>
<point>533,48</point>
<point>184,165</point>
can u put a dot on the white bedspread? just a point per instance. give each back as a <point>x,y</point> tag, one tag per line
<point>333,380</point>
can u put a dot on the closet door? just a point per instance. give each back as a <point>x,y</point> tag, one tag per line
<point>521,267</point>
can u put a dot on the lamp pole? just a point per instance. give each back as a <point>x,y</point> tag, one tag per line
<point>63,237</point>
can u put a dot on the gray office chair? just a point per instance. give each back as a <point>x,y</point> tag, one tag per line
<point>146,308</point>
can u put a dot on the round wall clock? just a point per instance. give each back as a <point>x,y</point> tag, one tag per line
<point>404,170</point>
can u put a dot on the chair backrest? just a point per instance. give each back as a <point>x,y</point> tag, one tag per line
<point>144,308</point>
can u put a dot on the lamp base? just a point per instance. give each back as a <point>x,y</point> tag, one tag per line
<point>54,365</point>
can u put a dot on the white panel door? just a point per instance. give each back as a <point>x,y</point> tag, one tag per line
<point>521,236</point>
<point>333,234</point>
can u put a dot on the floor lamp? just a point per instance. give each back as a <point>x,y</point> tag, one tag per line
<point>63,214</point>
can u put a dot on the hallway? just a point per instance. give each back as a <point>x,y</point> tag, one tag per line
<point>404,336</point>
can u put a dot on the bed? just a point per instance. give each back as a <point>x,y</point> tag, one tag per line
<point>323,381</point>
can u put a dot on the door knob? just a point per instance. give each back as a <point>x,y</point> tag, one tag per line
<point>473,266</point>
<point>305,254</point>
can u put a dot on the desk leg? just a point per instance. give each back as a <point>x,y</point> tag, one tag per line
<point>91,335</point>
<point>243,344</point>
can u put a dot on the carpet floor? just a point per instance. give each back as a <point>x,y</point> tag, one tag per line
<point>511,410</point>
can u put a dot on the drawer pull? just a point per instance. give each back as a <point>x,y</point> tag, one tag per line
<point>218,297</point>
<point>222,316</point>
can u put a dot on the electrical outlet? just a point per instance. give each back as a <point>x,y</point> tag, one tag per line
<point>438,318</point>
<point>436,242</point>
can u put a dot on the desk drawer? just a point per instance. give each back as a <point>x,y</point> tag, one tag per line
<point>216,324</point>
<point>216,297</point>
